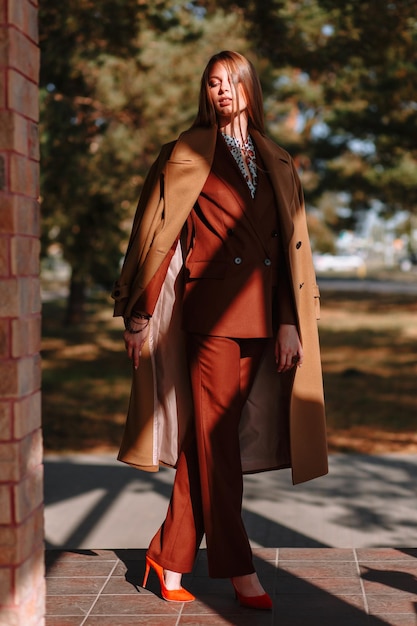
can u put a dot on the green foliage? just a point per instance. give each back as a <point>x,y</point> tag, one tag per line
<point>118,79</point>
<point>348,70</point>
<point>121,77</point>
<point>76,206</point>
<point>368,70</point>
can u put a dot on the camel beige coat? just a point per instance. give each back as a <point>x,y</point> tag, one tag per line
<point>283,423</point>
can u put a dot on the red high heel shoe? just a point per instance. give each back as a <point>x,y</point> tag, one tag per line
<point>171,595</point>
<point>263,602</point>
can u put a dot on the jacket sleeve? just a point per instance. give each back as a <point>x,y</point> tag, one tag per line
<point>147,300</point>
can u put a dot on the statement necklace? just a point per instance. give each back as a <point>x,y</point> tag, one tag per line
<point>244,155</point>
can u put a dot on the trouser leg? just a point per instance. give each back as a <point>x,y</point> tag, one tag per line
<point>222,372</point>
<point>207,492</point>
<point>176,543</point>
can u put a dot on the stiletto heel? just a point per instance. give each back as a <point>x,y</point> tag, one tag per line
<point>145,577</point>
<point>263,602</point>
<point>171,595</point>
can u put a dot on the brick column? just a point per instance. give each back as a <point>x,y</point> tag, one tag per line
<point>21,496</point>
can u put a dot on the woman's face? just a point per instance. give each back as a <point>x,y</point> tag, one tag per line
<point>223,93</point>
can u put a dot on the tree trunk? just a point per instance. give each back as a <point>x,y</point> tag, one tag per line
<point>76,301</point>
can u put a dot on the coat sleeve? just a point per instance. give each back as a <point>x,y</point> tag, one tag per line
<point>304,246</point>
<point>285,301</point>
<point>147,300</point>
<point>152,188</point>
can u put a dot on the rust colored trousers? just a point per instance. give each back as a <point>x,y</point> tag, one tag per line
<point>208,486</point>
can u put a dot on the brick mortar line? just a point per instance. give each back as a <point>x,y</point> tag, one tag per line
<point>13,26</point>
<point>19,194</point>
<point>4,235</point>
<point>16,112</point>
<point>25,76</point>
<point>11,151</point>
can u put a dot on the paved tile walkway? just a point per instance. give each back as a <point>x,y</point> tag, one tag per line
<point>309,586</point>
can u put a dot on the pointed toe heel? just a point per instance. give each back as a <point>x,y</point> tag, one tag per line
<point>170,595</point>
<point>262,602</point>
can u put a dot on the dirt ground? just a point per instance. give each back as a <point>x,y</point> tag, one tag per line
<point>369,348</point>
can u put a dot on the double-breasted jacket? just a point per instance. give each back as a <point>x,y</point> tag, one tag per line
<point>283,423</point>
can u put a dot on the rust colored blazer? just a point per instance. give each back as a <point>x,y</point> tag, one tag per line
<point>236,280</point>
<point>283,422</point>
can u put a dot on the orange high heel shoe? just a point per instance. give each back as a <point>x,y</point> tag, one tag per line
<point>263,602</point>
<point>171,595</point>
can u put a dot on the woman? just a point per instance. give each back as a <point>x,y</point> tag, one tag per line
<point>220,301</point>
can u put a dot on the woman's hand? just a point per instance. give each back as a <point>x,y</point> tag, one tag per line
<point>134,342</point>
<point>288,348</point>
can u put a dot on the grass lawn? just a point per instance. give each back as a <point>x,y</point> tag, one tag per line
<point>369,348</point>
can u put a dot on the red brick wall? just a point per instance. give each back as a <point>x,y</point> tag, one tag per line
<point>21,494</point>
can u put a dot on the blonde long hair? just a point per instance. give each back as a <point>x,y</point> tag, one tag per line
<point>239,70</point>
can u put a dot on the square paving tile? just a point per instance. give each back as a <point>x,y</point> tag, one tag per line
<point>56,620</point>
<point>71,568</point>
<point>316,554</point>
<point>69,606</point>
<point>334,586</point>
<point>78,585</point>
<point>309,570</point>
<point>202,585</point>
<point>251,618</point>
<point>141,604</point>
<point>385,554</point>
<point>389,583</point>
<point>400,619</point>
<point>314,586</point>
<point>221,604</point>
<point>81,556</point>
<point>320,603</point>
<point>122,586</point>
<point>130,620</point>
<point>384,604</point>
<point>265,554</point>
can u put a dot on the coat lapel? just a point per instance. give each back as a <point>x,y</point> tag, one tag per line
<point>277,163</point>
<point>185,174</point>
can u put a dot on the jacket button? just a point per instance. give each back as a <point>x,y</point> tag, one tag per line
<point>117,293</point>
<point>274,233</point>
<point>238,260</point>
<point>298,245</point>
<point>267,262</point>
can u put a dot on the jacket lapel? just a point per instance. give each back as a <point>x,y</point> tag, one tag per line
<point>189,166</point>
<point>227,170</point>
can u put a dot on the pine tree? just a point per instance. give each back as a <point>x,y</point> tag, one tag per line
<point>118,79</point>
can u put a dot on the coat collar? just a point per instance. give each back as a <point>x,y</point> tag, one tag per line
<point>195,144</point>
<point>189,165</point>
<point>186,171</point>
